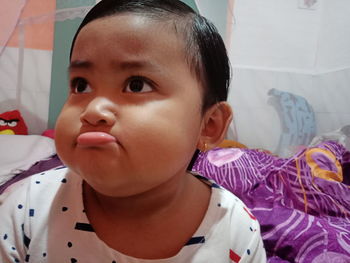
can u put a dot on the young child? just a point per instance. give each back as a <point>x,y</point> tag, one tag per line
<point>148,81</point>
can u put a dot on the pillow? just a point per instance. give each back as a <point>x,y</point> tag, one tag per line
<point>20,152</point>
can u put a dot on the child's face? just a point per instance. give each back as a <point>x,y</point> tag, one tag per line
<point>131,82</point>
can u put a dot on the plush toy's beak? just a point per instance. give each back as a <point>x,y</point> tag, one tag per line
<point>8,132</point>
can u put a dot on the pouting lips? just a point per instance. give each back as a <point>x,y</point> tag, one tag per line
<point>95,139</point>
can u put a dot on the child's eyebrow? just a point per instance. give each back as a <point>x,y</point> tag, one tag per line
<point>76,64</point>
<point>124,65</point>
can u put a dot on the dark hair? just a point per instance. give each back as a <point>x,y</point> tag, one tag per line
<point>205,50</point>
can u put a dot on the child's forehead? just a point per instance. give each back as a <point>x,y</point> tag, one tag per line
<point>137,31</point>
<point>128,37</point>
<point>136,18</point>
<point>143,33</point>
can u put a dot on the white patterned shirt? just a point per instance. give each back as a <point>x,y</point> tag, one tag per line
<point>42,219</point>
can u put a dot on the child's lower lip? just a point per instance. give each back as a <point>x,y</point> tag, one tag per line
<point>91,139</point>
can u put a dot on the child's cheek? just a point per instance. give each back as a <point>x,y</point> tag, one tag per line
<point>67,126</point>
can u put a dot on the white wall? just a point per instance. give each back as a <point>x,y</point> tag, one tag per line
<point>303,51</point>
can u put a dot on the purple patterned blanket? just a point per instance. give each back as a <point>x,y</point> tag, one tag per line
<point>302,203</point>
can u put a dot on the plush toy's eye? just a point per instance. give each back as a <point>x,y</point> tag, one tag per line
<point>3,123</point>
<point>12,123</point>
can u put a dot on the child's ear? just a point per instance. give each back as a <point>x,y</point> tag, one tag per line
<point>214,127</point>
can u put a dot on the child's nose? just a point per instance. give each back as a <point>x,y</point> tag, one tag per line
<point>100,111</point>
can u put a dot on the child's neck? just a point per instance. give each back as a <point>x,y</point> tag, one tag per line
<point>153,201</point>
<point>175,209</point>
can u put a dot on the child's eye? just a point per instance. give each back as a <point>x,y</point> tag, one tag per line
<point>138,85</point>
<point>80,85</point>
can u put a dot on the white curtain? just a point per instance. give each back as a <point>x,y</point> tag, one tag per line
<point>25,65</point>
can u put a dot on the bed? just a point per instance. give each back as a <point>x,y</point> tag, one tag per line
<point>301,202</point>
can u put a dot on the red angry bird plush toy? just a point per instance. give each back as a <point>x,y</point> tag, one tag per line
<point>11,122</point>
